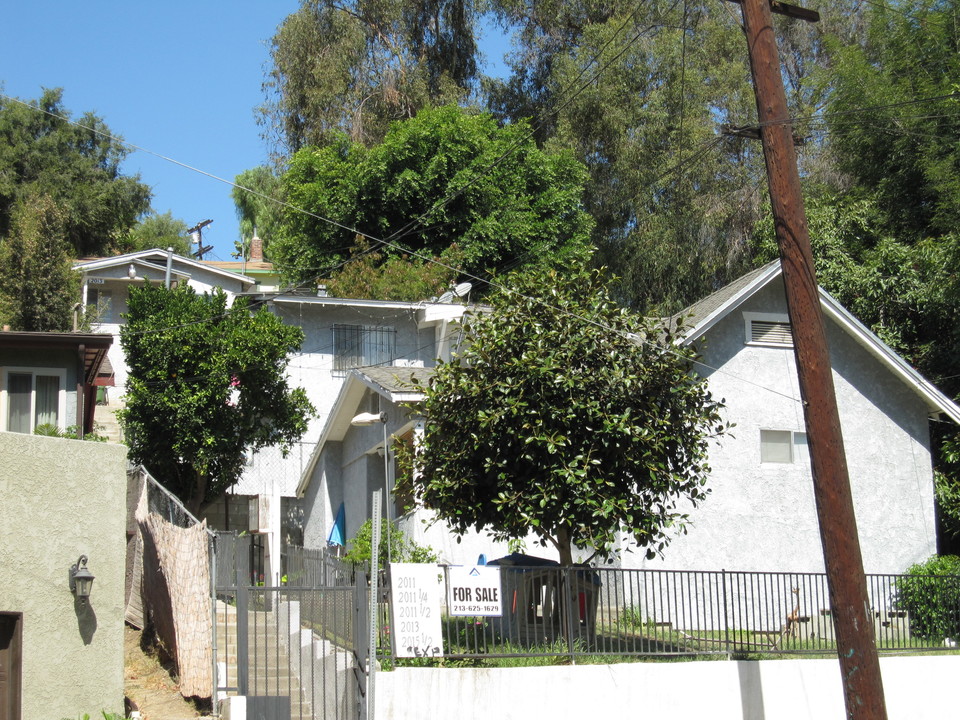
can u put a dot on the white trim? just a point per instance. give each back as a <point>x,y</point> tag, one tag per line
<point>142,256</point>
<point>34,371</point>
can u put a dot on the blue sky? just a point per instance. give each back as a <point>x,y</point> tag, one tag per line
<point>180,79</point>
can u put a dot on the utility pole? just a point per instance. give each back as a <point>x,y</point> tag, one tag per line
<point>196,232</point>
<point>852,616</point>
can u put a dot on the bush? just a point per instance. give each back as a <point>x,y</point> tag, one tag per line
<point>931,594</point>
<point>402,548</point>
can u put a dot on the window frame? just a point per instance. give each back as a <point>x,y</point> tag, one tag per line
<point>795,457</point>
<point>368,337</point>
<point>749,318</point>
<point>34,371</point>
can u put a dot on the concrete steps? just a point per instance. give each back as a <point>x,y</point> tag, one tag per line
<point>268,664</point>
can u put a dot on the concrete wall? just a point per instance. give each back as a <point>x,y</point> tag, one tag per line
<point>762,516</point>
<point>60,499</point>
<point>915,688</point>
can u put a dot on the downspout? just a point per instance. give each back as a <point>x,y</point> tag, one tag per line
<point>81,354</point>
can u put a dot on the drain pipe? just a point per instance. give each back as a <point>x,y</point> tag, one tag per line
<point>166,282</point>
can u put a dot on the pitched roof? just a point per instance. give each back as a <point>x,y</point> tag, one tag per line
<point>705,313</point>
<point>148,256</point>
<point>394,383</point>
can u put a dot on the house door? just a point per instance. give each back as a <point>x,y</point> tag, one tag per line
<point>10,660</point>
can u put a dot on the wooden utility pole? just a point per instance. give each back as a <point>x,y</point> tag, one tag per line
<point>852,616</point>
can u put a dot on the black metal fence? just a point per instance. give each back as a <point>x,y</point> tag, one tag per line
<point>293,652</point>
<point>553,611</point>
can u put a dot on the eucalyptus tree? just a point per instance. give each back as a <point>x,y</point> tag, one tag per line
<point>355,66</point>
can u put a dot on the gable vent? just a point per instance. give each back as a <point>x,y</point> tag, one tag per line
<point>770,332</point>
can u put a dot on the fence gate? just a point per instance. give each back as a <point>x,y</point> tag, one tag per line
<point>294,652</point>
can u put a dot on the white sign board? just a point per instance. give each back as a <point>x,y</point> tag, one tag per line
<point>475,590</point>
<point>416,610</point>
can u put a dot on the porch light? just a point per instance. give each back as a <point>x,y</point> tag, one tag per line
<point>81,579</point>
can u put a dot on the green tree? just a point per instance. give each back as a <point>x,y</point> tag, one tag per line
<point>37,286</point>
<point>258,199</point>
<point>353,67</point>
<point>445,177</point>
<point>566,416</point>
<point>76,165</point>
<point>207,383</point>
<point>398,277</point>
<point>157,231</point>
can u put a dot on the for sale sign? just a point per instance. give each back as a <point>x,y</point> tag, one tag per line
<point>475,590</point>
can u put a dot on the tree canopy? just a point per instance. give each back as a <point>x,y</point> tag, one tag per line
<point>568,417</point>
<point>445,177</point>
<point>37,286</point>
<point>207,383</point>
<point>354,67</point>
<point>76,165</point>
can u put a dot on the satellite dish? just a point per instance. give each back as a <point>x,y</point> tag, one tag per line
<point>446,297</point>
<point>462,289</point>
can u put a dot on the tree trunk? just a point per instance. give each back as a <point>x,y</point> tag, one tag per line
<point>195,505</point>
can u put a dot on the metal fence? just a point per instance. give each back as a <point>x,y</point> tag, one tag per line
<point>553,611</point>
<point>294,652</point>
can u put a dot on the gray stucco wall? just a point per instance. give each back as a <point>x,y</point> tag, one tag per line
<point>762,516</point>
<point>60,499</point>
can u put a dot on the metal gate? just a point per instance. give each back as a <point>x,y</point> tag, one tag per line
<point>295,652</point>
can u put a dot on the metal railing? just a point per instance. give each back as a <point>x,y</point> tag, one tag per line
<point>291,651</point>
<point>574,612</point>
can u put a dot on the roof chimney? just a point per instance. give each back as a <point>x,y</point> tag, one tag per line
<point>256,248</point>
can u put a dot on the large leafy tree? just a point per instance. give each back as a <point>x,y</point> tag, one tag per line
<point>357,65</point>
<point>568,417</point>
<point>445,177</point>
<point>207,383</point>
<point>37,285</point>
<point>75,165</point>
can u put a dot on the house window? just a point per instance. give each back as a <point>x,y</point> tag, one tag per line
<point>100,304</point>
<point>768,329</point>
<point>363,345</point>
<point>783,446</point>
<point>33,397</point>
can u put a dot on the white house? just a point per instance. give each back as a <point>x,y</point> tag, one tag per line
<point>339,334</point>
<point>760,514</point>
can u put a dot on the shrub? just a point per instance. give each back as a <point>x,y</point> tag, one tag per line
<point>402,548</point>
<point>931,594</point>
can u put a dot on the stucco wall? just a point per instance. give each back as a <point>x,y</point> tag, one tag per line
<point>312,369</point>
<point>762,516</point>
<point>60,499</point>
<point>915,688</point>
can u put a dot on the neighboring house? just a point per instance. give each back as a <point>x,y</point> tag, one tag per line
<point>339,334</point>
<point>760,514</point>
<point>50,379</point>
<point>106,284</point>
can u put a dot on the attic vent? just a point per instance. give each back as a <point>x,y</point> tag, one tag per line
<point>765,329</point>
<point>777,333</point>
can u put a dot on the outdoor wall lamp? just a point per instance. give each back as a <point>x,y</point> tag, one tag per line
<point>81,579</point>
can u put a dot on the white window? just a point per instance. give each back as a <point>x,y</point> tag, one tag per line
<point>357,346</point>
<point>769,329</point>
<point>783,446</point>
<point>32,397</point>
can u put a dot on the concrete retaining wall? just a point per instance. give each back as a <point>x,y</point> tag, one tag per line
<point>916,688</point>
